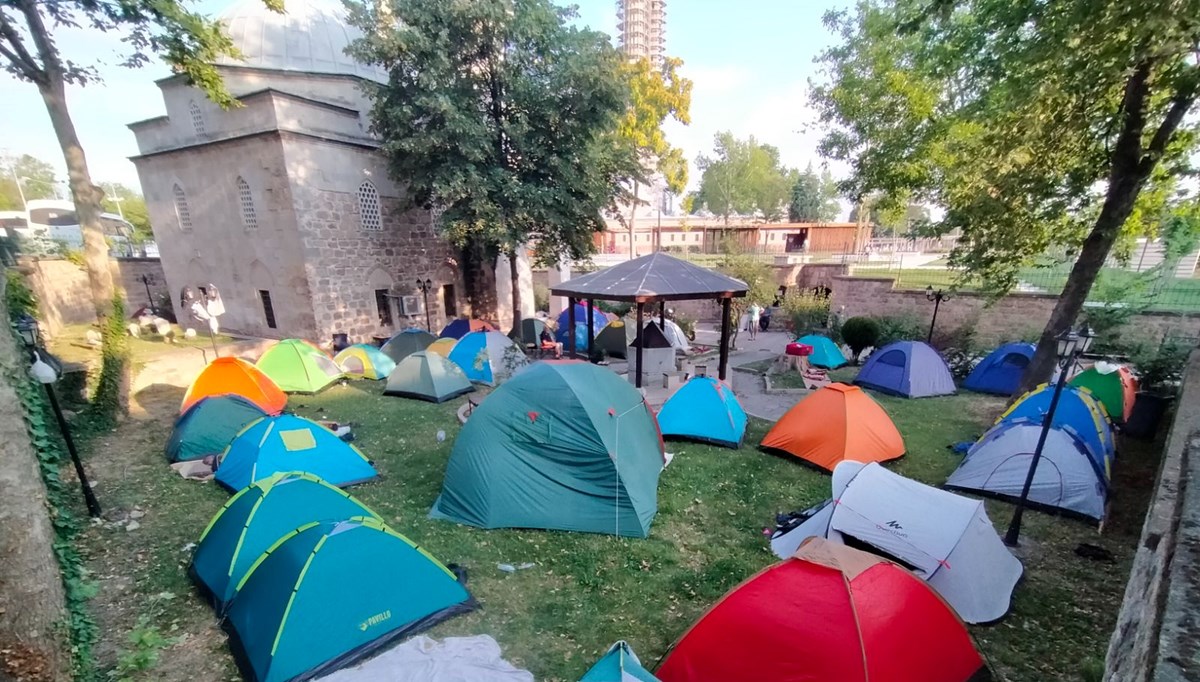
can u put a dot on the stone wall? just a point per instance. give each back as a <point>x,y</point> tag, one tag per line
<point>1155,637</point>
<point>64,295</point>
<point>1016,316</point>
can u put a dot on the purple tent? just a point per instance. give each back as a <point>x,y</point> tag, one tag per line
<point>911,369</point>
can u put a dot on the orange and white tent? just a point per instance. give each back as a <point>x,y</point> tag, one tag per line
<point>225,376</point>
<point>833,424</point>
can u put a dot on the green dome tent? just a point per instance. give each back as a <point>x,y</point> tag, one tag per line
<point>562,445</point>
<point>257,517</point>
<point>529,332</point>
<point>616,337</point>
<point>427,376</point>
<point>209,426</point>
<point>333,593</point>
<point>299,367</point>
<point>407,342</point>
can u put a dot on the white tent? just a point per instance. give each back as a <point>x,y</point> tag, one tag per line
<point>947,539</point>
<point>678,339</point>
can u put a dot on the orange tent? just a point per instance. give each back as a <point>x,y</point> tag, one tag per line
<point>235,376</point>
<point>836,423</point>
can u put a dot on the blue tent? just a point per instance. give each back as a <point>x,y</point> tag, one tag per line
<point>331,593</point>
<point>825,352</point>
<point>562,333</point>
<point>620,664</point>
<point>910,369</point>
<point>255,519</point>
<point>1077,409</point>
<point>290,443</point>
<point>457,329</point>
<point>1000,372</point>
<point>703,409</point>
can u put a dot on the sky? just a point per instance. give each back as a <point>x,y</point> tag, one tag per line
<point>751,62</point>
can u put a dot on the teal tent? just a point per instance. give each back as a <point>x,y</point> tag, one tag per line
<point>620,664</point>
<point>427,376</point>
<point>290,443</point>
<point>529,332</point>
<point>407,342</point>
<point>704,410</point>
<point>333,593</point>
<point>616,337</point>
<point>208,426</point>
<point>562,445</point>
<point>825,352</point>
<point>254,519</point>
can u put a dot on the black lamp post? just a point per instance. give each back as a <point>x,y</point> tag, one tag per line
<point>1071,344</point>
<point>46,375</point>
<point>937,297</point>
<point>425,286</point>
<point>147,280</point>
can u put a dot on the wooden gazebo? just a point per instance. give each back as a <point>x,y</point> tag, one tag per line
<point>655,278</point>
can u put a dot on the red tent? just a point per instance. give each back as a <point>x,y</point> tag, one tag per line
<point>828,613</point>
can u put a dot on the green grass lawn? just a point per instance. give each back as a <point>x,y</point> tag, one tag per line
<point>586,591</point>
<point>71,344</point>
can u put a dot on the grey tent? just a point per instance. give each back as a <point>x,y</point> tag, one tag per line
<point>529,332</point>
<point>615,338</point>
<point>427,376</point>
<point>406,343</point>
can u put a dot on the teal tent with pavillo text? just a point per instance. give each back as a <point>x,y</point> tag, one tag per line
<point>563,445</point>
<point>256,518</point>
<point>332,593</point>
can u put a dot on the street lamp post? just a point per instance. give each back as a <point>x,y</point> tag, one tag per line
<point>425,286</point>
<point>1071,344</point>
<point>147,280</point>
<point>46,375</point>
<point>937,297</point>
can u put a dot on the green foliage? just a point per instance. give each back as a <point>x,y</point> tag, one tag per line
<point>743,177</point>
<point>79,628</point>
<point>894,328</point>
<point>959,348</point>
<point>656,96</point>
<point>505,115</point>
<point>814,198</point>
<point>860,333</point>
<point>1159,365</point>
<point>37,180</point>
<point>757,275</point>
<point>615,307</point>
<point>1033,124</point>
<point>541,296</point>
<point>687,324</point>
<point>806,310</point>
<point>18,297</point>
<point>145,641</point>
<point>132,205</point>
<point>107,400</point>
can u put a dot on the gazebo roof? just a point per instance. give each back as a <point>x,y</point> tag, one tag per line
<point>656,277</point>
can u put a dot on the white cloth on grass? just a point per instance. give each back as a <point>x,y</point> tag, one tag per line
<point>422,659</point>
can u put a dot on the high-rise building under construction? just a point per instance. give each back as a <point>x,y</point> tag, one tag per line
<point>643,26</point>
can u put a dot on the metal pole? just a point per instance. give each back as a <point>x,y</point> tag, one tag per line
<point>662,316</point>
<point>724,360</point>
<point>571,326</point>
<point>937,303</point>
<point>149,297</point>
<point>638,360</point>
<point>428,319</point>
<point>591,336</point>
<point>89,497</point>
<point>1012,537</point>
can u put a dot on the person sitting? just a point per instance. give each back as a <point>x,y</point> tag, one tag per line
<point>548,343</point>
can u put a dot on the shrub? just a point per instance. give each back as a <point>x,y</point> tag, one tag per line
<point>806,310</point>
<point>541,296</point>
<point>615,307</point>
<point>687,324</point>
<point>959,349</point>
<point>860,333</point>
<point>1159,365</point>
<point>18,296</point>
<point>894,328</point>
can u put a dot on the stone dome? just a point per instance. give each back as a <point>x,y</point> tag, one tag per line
<point>310,36</point>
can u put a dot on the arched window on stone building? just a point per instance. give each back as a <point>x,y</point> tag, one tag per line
<point>182,214</point>
<point>368,207</point>
<point>246,200</point>
<point>197,117</point>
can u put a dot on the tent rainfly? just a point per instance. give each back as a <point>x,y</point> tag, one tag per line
<point>947,539</point>
<point>654,278</point>
<point>619,664</point>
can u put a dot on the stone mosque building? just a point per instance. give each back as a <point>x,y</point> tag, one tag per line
<point>285,203</point>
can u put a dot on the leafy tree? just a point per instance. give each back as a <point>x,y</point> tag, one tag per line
<point>130,204</point>
<point>504,115</point>
<point>757,275</point>
<point>743,177</point>
<point>37,180</point>
<point>860,333</point>
<point>1034,125</point>
<point>814,198</point>
<point>654,97</point>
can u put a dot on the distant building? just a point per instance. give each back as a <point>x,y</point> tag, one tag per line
<point>707,235</point>
<point>643,29</point>
<point>285,203</point>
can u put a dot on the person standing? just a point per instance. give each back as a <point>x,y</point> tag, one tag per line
<point>755,313</point>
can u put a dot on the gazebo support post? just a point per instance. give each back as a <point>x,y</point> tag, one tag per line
<point>662,316</point>
<point>724,361</point>
<point>638,360</point>
<point>591,328</point>
<point>571,327</point>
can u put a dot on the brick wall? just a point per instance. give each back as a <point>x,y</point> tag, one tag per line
<point>1018,315</point>
<point>64,295</point>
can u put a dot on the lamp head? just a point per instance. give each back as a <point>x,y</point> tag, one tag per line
<point>1066,343</point>
<point>428,284</point>
<point>1086,336</point>
<point>929,292</point>
<point>27,329</point>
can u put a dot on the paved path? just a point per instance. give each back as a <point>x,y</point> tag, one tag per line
<point>748,386</point>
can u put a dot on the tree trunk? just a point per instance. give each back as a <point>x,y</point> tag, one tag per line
<point>633,221</point>
<point>32,604</point>
<point>515,274</point>
<point>87,197</point>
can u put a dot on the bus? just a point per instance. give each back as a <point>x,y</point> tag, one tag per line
<point>48,225</point>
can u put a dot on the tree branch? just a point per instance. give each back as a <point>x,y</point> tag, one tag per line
<point>17,54</point>
<point>1127,152</point>
<point>51,65</point>
<point>1180,104</point>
